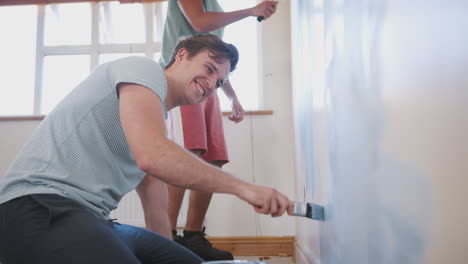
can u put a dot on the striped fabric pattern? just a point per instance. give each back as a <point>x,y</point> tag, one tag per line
<point>79,150</point>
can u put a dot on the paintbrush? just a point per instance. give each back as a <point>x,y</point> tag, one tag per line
<point>309,210</point>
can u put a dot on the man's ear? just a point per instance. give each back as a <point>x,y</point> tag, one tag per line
<point>181,54</point>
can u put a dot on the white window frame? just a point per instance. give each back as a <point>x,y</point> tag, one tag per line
<point>151,11</point>
<point>154,16</point>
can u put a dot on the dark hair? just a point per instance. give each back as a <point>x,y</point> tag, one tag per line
<point>218,50</point>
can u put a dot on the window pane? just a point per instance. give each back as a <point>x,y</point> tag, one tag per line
<point>68,24</point>
<point>110,57</point>
<point>61,75</point>
<point>17,63</point>
<point>157,56</point>
<point>160,12</point>
<point>121,23</point>
<point>243,34</point>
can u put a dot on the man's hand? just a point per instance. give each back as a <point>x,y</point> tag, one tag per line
<point>237,111</point>
<point>265,9</point>
<point>265,200</point>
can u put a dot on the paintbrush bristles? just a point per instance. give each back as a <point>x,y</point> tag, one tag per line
<point>309,210</point>
<point>315,212</point>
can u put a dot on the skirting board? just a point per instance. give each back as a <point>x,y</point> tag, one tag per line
<point>255,246</point>
<point>301,257</point>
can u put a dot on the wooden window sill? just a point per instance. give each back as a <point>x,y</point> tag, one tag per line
<point>20,118</point>
<point>26,118</point>
<point>255,112</point>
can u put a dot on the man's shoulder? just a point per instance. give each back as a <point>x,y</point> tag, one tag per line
<point>135,59</point>
<point>135,64</point>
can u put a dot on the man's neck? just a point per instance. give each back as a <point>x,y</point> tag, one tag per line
<point>171,98</point>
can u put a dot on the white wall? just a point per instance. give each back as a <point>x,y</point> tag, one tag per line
<point>13,135</point>
<point>260,147</point>
<point>425,91</point>
<point>389,123</point>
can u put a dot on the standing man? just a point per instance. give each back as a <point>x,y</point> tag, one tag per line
<point>98,144</point>
<point>202,123</point>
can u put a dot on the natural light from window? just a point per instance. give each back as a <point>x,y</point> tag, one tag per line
<point>56,86</point>
<point>243,34</point>
<point>35,83</point>
<point>68,24</point>
<point>18,56</point>
<point>122,23</point>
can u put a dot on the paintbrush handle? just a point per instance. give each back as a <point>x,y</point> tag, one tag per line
<point>299,208</point>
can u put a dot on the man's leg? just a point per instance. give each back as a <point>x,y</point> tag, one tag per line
<point>203,130</point>
<point>215,153</point>
<point>150,247</point>
<point>198,206</point>
<point>49,229</point>
<point>194,233</point>
<point>176,196</point>
<point>194,236</point>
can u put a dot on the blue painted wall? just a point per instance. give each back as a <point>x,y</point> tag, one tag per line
<point>381,131</point>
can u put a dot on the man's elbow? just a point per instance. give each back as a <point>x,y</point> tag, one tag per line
<point>146,161</point>
<point>199,28</point>
<point>149,160</point>
<point>143,163</point>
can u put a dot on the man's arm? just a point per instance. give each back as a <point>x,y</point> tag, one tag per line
<point>154,200</point>
<point>141,114</point>
<point>203,21</point>
<point>237,109</point>
<point>142,117</point>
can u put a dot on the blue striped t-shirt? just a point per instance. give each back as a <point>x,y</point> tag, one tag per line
<point>79,150</point>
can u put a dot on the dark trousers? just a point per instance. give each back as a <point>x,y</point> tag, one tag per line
<point>48,229</point>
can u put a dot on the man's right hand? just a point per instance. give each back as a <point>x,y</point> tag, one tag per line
<point>265,9</point>
<point>265,200</point>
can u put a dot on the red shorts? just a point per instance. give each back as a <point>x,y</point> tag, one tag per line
<point>202,126</point>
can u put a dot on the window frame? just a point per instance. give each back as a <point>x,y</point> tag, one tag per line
<point>154,16</point>
<point>151,10</point>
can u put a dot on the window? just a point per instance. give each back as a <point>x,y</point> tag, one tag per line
<point>17,63</point>
<point>244,35</point>
<point>51,48</point>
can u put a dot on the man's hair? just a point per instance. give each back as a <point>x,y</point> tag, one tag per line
<point>218,50</point>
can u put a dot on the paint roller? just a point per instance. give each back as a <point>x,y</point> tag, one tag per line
<point>309,210</point>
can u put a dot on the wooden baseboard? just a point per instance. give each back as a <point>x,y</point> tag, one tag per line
<point>255,246</point>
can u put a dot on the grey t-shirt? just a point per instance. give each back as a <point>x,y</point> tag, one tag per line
<point>177,28</point>
<point>79,150</point>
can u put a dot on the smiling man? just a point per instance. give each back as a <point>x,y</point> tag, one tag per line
<point>98,144</point>
<point>204,72</point>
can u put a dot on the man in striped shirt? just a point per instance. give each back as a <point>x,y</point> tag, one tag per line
<point>98,144</point>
